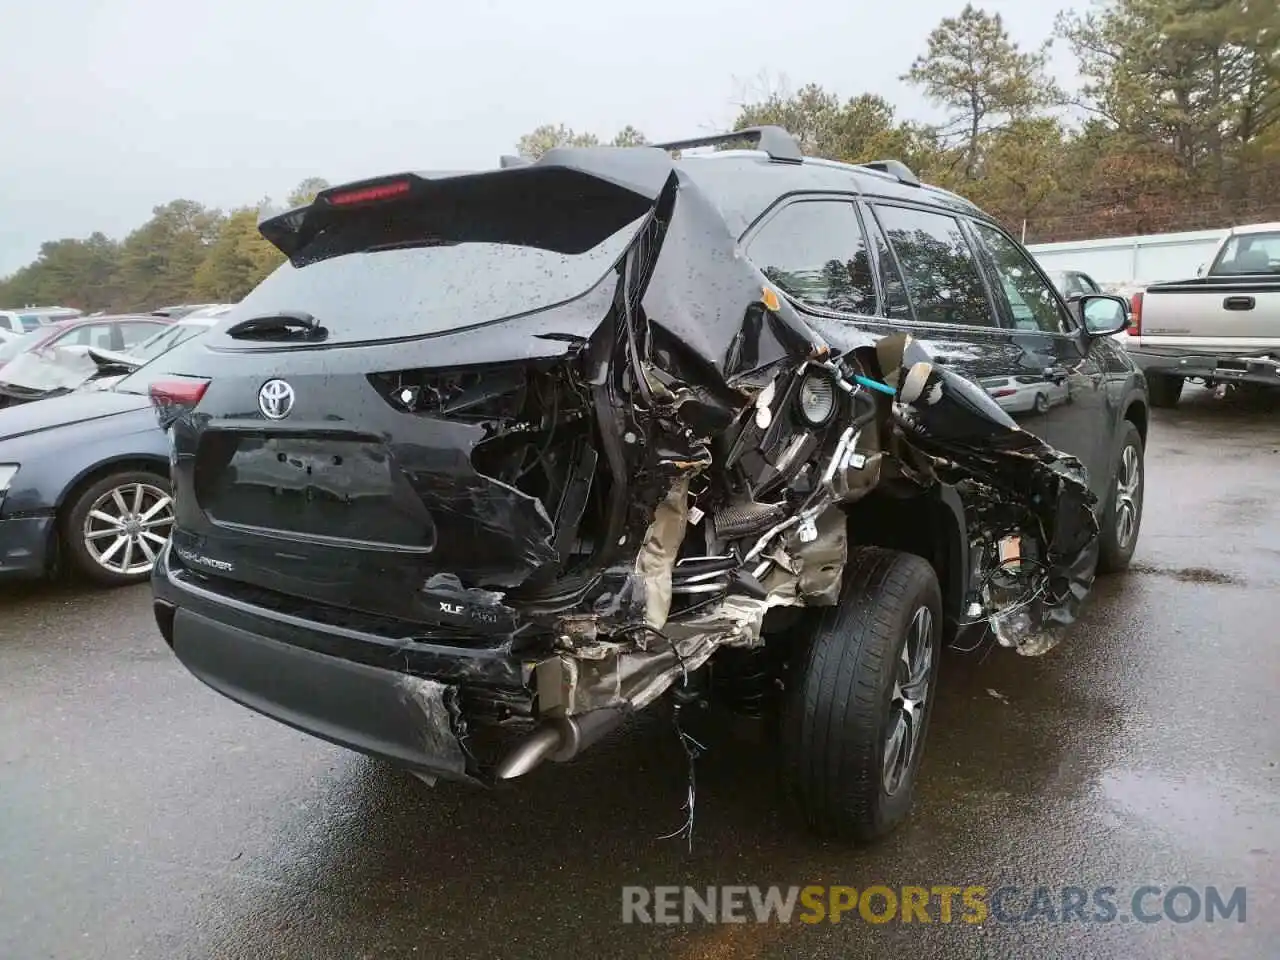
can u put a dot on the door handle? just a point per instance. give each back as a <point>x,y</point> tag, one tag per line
<point>1238,303</point>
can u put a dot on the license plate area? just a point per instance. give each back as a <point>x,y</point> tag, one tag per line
<point>324,488</point>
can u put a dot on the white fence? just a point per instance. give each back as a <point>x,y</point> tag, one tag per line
<point>1130,261</point>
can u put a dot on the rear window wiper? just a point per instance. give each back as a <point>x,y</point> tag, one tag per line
<point>284,325</point>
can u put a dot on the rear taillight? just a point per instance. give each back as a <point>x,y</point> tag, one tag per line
<point>1003,393</point>
<point>173,396</point>
<point>187,390</point>
<point>1135,315</point>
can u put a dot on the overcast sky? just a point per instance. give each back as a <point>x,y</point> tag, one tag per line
<point>109,107</point>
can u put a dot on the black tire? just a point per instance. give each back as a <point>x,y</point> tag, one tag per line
<point>1164,390</point>
<point>1042,403</point>
<point>1117,541</point>
<point>840,697</point>
<point>76,512</point>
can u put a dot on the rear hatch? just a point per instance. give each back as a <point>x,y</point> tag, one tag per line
<point>374,430</point>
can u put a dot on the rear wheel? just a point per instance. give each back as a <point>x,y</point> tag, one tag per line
<point>115,527</point>
<point>1123,519</point>
<point>1164,390</point>
<point>859,696</point>
<point>1042,403</point>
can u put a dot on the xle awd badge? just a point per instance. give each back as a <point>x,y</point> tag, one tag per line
<point>275,399</point>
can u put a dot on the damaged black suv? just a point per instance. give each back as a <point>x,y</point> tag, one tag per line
<point>497,459</point>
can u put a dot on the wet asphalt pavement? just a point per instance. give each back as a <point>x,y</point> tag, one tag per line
<point>142,815</point>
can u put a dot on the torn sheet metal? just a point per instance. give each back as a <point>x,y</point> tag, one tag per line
<point>674,476</point>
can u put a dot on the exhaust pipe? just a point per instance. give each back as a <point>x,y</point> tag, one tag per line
<point>559,740</point>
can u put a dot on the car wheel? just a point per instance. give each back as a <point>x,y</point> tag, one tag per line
<point>859,695</point>
<point>1163,390</point>
<point>1124,513</point>
<point>1042,403</point>
<point>114,528</point>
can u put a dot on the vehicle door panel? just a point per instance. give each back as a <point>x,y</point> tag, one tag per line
<point>1066,369</point>
<point>954,318</point>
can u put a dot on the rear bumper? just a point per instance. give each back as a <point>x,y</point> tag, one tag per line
<point>1223,369</point>
<point>293,671</point>
<point>24,546</point>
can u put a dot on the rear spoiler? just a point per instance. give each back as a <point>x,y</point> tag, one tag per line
<point>524,204</point>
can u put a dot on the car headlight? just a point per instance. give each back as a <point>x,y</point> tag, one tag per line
<point>7,472</point>
<point>816,399</point>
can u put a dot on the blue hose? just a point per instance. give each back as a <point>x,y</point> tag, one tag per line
<point>874,385</point>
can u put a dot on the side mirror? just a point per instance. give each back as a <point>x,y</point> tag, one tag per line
<point>1103,314</point>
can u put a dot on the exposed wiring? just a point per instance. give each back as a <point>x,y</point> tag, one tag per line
<point>654,631</point>
<point>692,751</point>
<point>692,748</point>
<point>551,435</point>
<point>1038,592</point>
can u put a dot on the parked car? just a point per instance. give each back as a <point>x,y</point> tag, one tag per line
<point>84,481</point>
<point>1028,393</point>
<point>31,318</point>
<point>55,359</point>
<point>110,366</point>
<point>1223,327</point>
<point>12,323</point>
<point>1073,283</point>
<point>495,460</point>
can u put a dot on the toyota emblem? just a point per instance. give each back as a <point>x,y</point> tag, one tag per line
<point>275,399</point>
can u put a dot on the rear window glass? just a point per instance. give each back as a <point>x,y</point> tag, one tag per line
<point>405,291</point>
<point>166,340</point>
<point>1250,253</point>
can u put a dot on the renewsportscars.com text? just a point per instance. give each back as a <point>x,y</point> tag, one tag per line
<point>938,904</point>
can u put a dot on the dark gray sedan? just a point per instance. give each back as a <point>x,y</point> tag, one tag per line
<point>84,480</point>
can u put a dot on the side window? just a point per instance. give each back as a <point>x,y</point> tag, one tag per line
<point>1030,298</point>
<point>137,332</point>
<point>74,337</point>
<point>939,267</point>
<point>897,306</point>
<point>814,251</point>
<point>89,335</point>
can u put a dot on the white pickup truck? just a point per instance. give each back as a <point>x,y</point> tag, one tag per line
<point>1222,327</point>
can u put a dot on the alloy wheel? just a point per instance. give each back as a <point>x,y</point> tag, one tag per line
<point>1128,497</point>
<point>127,526</point>
<point>910,699</point>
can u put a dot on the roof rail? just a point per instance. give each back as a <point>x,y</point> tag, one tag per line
<point>775,141</point>
<point>895,168</point>
<point>508,160</point>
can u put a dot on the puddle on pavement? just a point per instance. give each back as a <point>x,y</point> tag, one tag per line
<point>1188,574</point>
